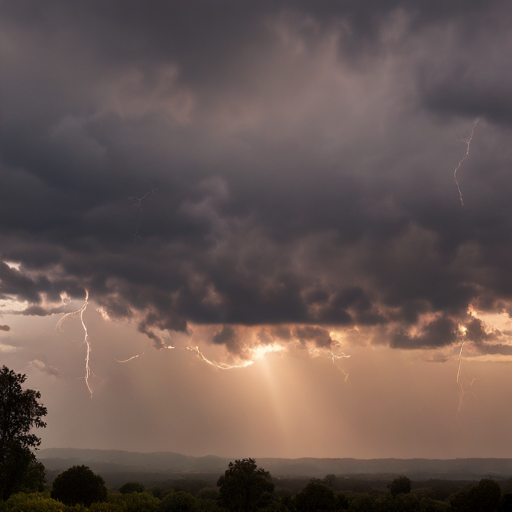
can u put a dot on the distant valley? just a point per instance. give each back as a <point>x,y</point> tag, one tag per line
<point>161,465</point>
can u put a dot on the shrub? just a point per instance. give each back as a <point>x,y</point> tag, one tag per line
<point>107,507</point>
<point>141,502</point>
<point>400,485</point>
<point>316,496</point>
<point>33,502</point>
<point>178,501</point>
<point>207,493</point>
<point>79,485</point>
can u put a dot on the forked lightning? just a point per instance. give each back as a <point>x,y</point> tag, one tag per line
<point>468,143</point>
<point>86,336</point>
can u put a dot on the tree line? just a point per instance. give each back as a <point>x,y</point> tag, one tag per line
<point>242,488</point>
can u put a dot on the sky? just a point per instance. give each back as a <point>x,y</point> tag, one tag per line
<point>284,227</point>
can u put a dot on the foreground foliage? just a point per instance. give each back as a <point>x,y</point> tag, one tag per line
<point>245,487</point>
<point>20,411</point>
<point>79,485</point>
<point>32,502</point>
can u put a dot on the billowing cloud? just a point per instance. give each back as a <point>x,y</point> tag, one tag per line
<point>36,310</point>
<point>291,163</point>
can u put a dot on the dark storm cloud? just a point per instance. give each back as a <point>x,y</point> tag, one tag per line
<point>39,311</point>
<point>318,335</point>
<point>437,333</point>
<point>496,349</point>
<point>228,337</point>
<point>474,82</point>
<point>300,156</point>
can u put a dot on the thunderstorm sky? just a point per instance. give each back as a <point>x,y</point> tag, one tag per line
<point>293,221</point>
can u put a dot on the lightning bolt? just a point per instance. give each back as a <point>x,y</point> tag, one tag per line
<point>137,201</point>
<point>459,374</point>
<point>219,366</point>
<point>73,314</point>
<point>335,358</point>
<point>130,358</point>
<point>255,353</point>
<point>468,143</point>
<point>138,355</point>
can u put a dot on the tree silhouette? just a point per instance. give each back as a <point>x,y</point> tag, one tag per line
<point>400,485</point>
<point>244,487</point>
<point>79,484</point>
<point>178,501</point>
<point>316,496</point>
<point>130,487</point>
<point>484,497</point>
<point>20,411</point>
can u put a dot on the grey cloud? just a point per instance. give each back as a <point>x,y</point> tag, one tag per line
<point>477,332</point>
<point>35,311</point>
<point>4,328</point>
<point>40,311</point>
<point>158,343</point>
<point>496,349</point>
<point>438,333</point>
<point>303,155</point>
<point>227,336</point>
<point>318,335</point>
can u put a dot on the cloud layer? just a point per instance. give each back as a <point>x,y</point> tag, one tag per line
<point>285,166</point>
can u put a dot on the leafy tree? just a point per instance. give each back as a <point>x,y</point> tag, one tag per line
<point>203,505</point>
<point>330,480</point>
<point>156,491</point>
<point>190,485</point>
<point>315,497</point>
<point>141,502</point>
<point>178,501</point>
<point>207,493</point>
<point>208,500</point>
<point>484,497</point>
<point>342,501</point>
<point>107,507</point>
<point>20,411</point>
<point>79,484</point>
<point>506,502</point>
<point>442,489</point>
<point>32,502</point>
<point>130,487</point>
<point>407,502</point>
<point>385,503</point>
<point>400,485</point>
<point>361,503</point>
<point>431,505</point>
<point>244,487</point>
<point>461,501</point>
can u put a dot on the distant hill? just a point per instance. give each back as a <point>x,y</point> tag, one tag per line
<point>117,461</point>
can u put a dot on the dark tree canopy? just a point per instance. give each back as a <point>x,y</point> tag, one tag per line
<point>400,485</point>
<point>20,411</point>
<point>244,487</point>
<point>484,497</point>
<point>316,496</point>
<point>178,501</point>
<point>79,485</point>
<point>130,487</point>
